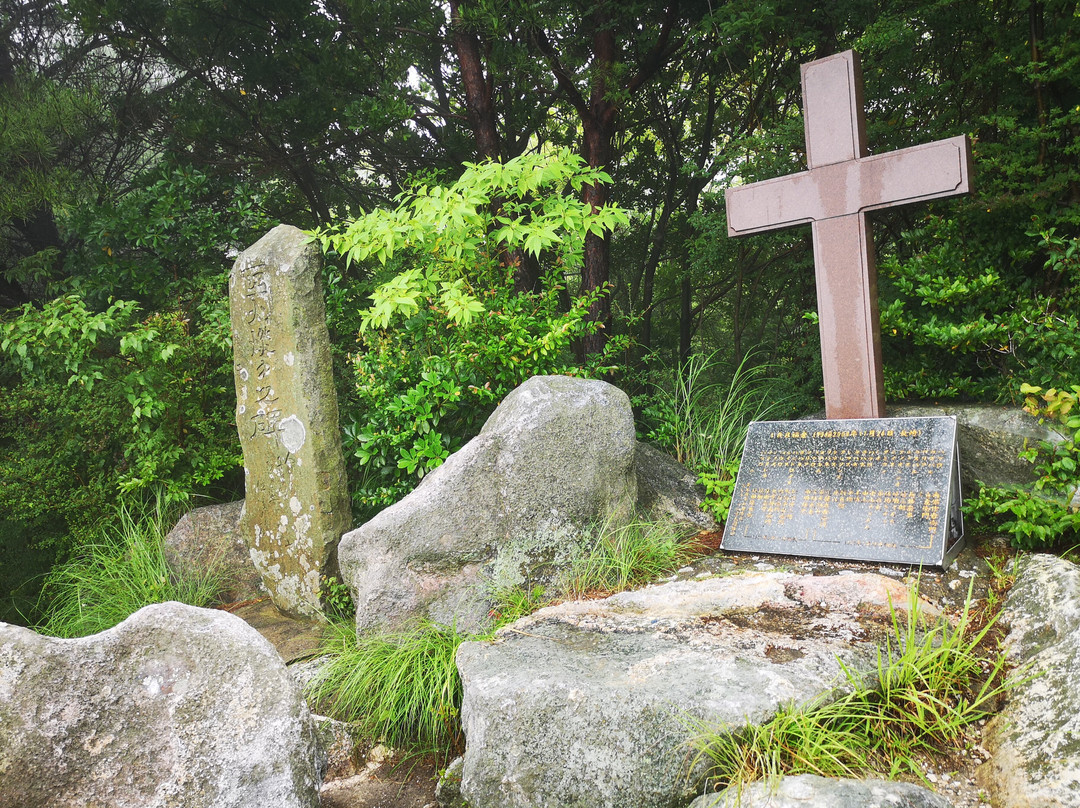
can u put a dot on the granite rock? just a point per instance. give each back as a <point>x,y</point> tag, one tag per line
<point>175,707</point>
<point>1035,740</point>
<point>811,791</point>
<point>667,491</point>
<point>556,457</point>
<point>592,704</point>
<point>211,537</point>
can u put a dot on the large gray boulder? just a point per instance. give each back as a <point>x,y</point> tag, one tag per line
<point>210,536</point>
<point>592,704</point>
<point>1035,741</point>
<point>173,708</point>
<point>990,437</point>
<point>513,504</point>
<point>811,791</point>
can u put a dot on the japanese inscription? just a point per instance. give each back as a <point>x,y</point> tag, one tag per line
<point>296,503</point>
<point>868,489</point>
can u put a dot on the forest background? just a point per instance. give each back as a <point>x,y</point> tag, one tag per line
<point>143,143</point>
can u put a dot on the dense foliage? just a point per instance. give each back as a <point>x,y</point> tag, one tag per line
<point>447,335</point>
<point>142,143</point>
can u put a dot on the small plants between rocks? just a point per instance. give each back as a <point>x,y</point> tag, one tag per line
<point>703,423</point>
<point>120,572</point>
<point>403,687</point>
<point>932,682</point>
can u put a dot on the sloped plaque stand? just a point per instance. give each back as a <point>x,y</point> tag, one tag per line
<point>867,489</point>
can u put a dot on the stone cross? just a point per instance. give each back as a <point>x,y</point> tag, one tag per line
<point>297,505</point>
<point>834,196</point>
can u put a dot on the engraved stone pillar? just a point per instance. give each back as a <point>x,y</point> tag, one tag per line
<point>297,504</point>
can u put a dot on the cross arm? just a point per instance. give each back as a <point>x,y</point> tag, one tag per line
<point>916,174</point>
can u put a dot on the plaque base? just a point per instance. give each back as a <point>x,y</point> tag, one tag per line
<point>868,489</point>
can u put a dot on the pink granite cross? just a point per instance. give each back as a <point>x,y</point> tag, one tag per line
<point>834,196</point>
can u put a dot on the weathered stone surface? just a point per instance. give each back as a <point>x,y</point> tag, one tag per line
<point>341,742</point>
<point>293,638</point>
<point>211,536</point>
<point>811,791</point>
<point>175,707</point>
<point>590,704</point>
<point>666,490</point>
<point>556,456</point>
<point>297,504</point>
<point>990,437</point>
<point>1035,741</point>
<point>448,791</point>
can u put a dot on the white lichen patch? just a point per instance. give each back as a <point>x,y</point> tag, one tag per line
<point>292,433</point>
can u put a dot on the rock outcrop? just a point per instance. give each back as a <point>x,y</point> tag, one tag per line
<point>556,457</point>
<point>173,708</point>
<point>593,703</point>
<point>667,491</point>
<point>990,437</point>
<point>810,791</point>
<point>1035,741</point>
<point>211,537</point>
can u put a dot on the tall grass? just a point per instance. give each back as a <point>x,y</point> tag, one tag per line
<point>402,687</point>
<point>120,573</point>
<point>710,416</point>
<point>929,686</point>
<point>703,419</point>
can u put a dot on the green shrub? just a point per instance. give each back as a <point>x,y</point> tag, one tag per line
<point>124,570</point>
<point>1045,513</point>
<point>426,386</point>
<point>123,380</point>
<point>968,318</point>
<point>100,403</point>
<point>447,335</point>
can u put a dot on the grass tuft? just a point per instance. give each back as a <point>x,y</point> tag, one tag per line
<point>402,687</point>
<point>930,685</point>
<point>628,557</point>
<point>113,578</point>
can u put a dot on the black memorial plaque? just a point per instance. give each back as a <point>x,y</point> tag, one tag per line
<point>869,489</point>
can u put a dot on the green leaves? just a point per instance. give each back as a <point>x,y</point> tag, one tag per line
<point>1041,515</point>
<point>455,237</point>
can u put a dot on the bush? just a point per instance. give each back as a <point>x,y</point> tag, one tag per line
<point>1045,513</point>
<point>447,336</point>
<point>961,318</point>
<point>105,402</point>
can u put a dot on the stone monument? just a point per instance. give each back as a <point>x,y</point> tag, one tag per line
<point>857,485</point>
<point>297,504</point>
